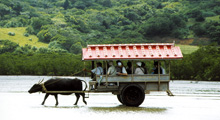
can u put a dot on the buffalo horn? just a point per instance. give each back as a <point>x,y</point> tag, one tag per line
<point>41,81</point>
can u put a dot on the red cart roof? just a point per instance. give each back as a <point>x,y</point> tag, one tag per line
<point>152,51</point>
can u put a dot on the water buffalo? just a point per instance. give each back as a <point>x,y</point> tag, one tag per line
<point>60,84</point>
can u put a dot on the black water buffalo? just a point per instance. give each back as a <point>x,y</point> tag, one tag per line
<point>60,84</point>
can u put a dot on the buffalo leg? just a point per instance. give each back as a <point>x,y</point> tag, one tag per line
<point>83,95</point>
<point>77,98</point>
<point>45,99</point>
<point>56,97</point>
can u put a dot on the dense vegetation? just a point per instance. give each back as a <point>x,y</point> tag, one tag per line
<point>68,25</point>
<point>204,64</point>
<point>71,24</point>
<point>40,64</point>
<point>193,66</point>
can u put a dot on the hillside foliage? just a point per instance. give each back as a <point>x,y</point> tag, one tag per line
<point>81,22</point>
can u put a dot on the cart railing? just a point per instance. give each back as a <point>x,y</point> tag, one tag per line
<point>135,78</point>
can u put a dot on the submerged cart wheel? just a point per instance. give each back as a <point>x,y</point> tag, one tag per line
<point>133,95</point>
<point>119,99</point>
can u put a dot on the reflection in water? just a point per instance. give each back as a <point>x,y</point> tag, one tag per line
<point>122,108</point>
<point>65,107</point>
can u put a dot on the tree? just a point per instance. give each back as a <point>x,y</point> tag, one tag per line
<point>17,7</point>
<point>47,33</point>
<point>199,29</point>
<point>165,25</point>
<point>157,26</point>
<point>213,29</point>
<point>203,66</point>
<point>7,46</point>
<point>66,4</point>
<point>200,18</point>
<point>44,36</point>
<point>76,48</point>
<point>81,26</point>
<point>38,22</point>
<point>132,16</point>
<point>4,10</point>
<point>107,3</point>
<point>182,73</point>
<point>193,13</point>
<point>80,5</point>
<point>55,45</point>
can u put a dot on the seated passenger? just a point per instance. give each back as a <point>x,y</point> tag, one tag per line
<point>163,70</point>
<point>143,66</point>
<point>129,67</point>
<point>156,70</point>
<point>111,69</point>
<point>120,69</point>
<point>139,70</point>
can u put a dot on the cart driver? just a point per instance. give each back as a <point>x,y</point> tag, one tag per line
<point>98,70</point>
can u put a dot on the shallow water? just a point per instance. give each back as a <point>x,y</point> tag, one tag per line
<point>193,101</point>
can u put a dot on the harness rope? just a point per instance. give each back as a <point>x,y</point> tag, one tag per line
<point>75,73</point>
<point>61,79</point>
<point>44,90</point>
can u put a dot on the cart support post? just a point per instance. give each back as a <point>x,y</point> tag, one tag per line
<point>158,75</point>
<point>106,76</point>
<point>132,71</point>
<point>169,70</point>
<point>93,66</point>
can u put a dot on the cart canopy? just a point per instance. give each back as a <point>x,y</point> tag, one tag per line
<point>147,51</point>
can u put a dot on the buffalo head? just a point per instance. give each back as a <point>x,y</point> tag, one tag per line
<point>36,87</point>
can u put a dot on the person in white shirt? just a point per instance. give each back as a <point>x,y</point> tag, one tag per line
<point>139,70</point>
<point>111,69</point>
<point>98,70</point>
<point>163,70</point>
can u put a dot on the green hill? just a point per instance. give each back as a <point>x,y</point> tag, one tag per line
<point>187,49</point>
<point>20,38</point>
<point>76,23</point>
<point>23,40</point>
<point>213,18</point>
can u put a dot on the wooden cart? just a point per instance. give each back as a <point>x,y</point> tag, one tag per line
<point>131,89</point>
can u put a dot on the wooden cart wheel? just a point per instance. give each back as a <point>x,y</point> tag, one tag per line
<point>119,99</point>
<point>133,95</point>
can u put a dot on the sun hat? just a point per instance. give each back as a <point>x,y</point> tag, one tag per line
<point>138,63</point>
